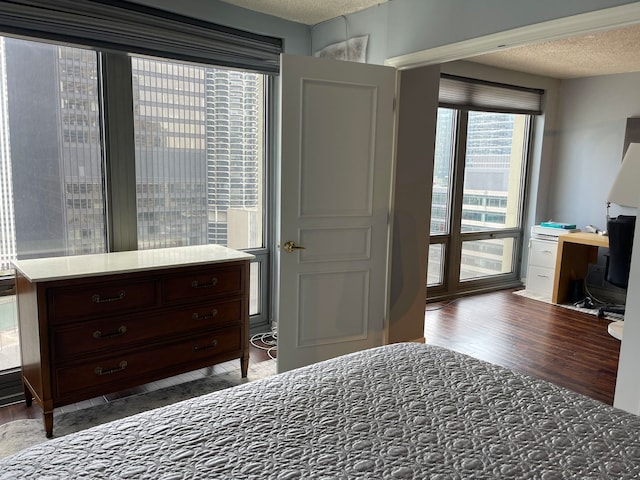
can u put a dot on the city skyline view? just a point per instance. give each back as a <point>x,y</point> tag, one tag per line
<point>198,153</point>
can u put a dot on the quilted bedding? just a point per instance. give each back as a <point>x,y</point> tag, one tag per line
<point>401,411</point>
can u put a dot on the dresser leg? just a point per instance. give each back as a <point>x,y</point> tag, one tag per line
<point>28,397</point>
<point>244,366</point>
<point>48,423</point>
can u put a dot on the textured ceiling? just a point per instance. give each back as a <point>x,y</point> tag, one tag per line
<point>310,12</point>
<point>598,53</point>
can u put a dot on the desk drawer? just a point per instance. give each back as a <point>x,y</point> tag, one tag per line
<point>83,338</point>
<point>119,369</point>
<point>70,303</point>
<point>543,254</point>
<point>203,283</point>
<point>540,281</point>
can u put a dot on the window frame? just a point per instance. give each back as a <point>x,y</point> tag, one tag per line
<point>452,241</point>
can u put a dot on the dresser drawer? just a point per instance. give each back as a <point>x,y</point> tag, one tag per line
<point>129,368</point>
<point>543,254</point>
<point>203,283</point>
<point>540,281</point>
<point>82,338</point>
<point>70,303</point>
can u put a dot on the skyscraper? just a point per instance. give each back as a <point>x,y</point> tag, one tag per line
<point>198,151</point>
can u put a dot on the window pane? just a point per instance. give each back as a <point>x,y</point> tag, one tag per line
<point>52,116</point>
<point>9,345</point>
<point>436,265</point>
<point>51,167</point>
<point>440,198</point>
<point>254,288</point>
<point>199,154</point>
<point>493,171</point>
<point>483,258</point>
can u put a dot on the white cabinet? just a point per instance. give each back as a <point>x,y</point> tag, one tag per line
<point>541,267</point>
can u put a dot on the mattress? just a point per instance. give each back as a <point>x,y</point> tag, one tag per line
<point>395,412</point>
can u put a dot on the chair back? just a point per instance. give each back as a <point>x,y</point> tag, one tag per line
<point>621,230</point>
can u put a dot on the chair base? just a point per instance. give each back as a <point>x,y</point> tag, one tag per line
<point>616,329</point>
<point>611,309</point>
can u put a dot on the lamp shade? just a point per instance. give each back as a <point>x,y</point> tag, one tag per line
<point>625,190</point>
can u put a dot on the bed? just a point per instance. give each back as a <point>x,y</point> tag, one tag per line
<point>394,412</point>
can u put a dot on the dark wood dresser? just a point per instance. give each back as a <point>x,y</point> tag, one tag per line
<point>95,324</point>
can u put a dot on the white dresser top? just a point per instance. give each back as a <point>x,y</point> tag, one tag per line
<point>60,268</point>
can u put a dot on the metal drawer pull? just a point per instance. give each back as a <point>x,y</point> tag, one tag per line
<point>101,371</point>
<point>212,283</point>
<point>197,316</point>
<point>213,344</point>
<point>96,298</point>
<point>121,331</point>
<point>543,276</point>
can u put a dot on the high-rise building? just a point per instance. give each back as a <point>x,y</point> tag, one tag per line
<point>488,175</point>
<point>198,152</point>
<point>7,222</point>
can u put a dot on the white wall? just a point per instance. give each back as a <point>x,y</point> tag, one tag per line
<point>590,136</point>
<point>589,142</point>
<point>627,395</point>
<point>411,213</point>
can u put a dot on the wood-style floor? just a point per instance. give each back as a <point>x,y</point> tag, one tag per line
<point>565,347</point>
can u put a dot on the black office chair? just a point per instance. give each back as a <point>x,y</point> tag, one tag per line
<point>621,229</point>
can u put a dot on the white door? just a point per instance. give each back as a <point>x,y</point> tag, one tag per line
<point>336,179</point>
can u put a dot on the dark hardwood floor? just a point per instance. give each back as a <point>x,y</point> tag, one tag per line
<point>565,347</point>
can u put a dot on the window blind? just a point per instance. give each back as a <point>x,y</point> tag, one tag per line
<point>472,94</point>
<point>133,28</point>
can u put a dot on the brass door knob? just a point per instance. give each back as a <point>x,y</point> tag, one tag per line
<point>290,246</point>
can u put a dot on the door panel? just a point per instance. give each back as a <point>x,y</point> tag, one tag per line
<point>336,172</point>
<point>335,244</point>
<point>331,186</point>
<point>352,292</point>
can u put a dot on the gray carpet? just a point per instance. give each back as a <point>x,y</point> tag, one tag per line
<point>591,311</point>
<point>20,434</point>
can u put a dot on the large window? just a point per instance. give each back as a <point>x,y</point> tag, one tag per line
<point>482,145</point>
<point>199,154</point>
<point>51,163</point>
<point>195,148</point>
<point>476,214</point>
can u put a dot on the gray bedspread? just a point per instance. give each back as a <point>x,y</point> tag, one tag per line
<point>402,411</point>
